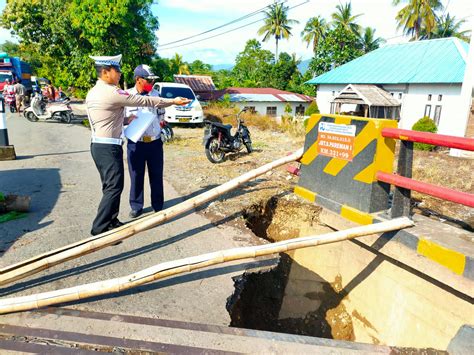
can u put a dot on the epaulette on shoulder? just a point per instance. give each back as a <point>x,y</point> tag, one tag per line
<point>122,92</point>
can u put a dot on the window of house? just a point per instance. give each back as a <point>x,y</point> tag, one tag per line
<point>437,114</point>
<point>250,109</point>
<point>392,93</point>
<point>400,96</point>
<point>299,111</point>
<point>429,97</point>
<point>271,111</point>
<point>333,93</point>
<point>440,97</point>
<point>427,111</point>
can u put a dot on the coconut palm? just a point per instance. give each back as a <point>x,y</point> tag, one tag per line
<point>178,66</point>
<point>418,16</point>
<point>447,26</point>
<point>277,24</point>
<point>343,16</point>
<point>368,41</point>
<point>314,30</point>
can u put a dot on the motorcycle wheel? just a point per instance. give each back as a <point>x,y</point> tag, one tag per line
<point>249,147</point>
<point>213,153</point>
<point>65,117</point>
<point>30,116</point>
<point>12,109</point>
<point>166,134</point>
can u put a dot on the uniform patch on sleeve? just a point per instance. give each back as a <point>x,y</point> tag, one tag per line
<point>122,92</point>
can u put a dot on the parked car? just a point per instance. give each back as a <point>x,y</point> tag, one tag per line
<point>188,114</point>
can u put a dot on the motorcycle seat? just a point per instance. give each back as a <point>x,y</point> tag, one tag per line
<point>225,126</point>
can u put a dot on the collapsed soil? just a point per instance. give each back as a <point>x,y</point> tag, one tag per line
<point>190,173</point>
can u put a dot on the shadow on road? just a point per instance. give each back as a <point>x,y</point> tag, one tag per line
<point>43,186</point>
<point>42,155</point>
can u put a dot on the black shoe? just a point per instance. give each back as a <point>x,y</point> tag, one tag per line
<point>135,213</point>
<point>115,224</point>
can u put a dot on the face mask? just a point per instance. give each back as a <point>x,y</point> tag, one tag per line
<point>147,87</point>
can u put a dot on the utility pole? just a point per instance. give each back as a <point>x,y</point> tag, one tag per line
<point>7,151</point>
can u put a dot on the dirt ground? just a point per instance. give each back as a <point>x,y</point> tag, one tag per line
<point>189,171</point>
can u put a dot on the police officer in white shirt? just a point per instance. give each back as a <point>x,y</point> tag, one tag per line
<point>148,150</point>
<point>105,108</point>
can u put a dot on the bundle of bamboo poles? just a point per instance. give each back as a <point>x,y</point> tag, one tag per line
<point>44,261</point>
<point>170,268</point>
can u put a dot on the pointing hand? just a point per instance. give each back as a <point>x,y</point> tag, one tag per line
<point>181,101</point>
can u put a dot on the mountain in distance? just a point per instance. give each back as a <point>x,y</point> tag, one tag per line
<point>218,67</point>
<point>303,66</point>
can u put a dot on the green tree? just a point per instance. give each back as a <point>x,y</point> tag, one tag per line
<point>447,26</point>
<point>283,71</point>
<point>199,67</point>
<point>277,24</point>
<point>12,48</point>
<point>418,16</point>
<point>343,17</point>
<point>253,65</point>
<point>162,68</point>
<point>340,46</point>
<point>61,35</point>
<point>368,41</point>
<point>314,31</point>
<point>178,66</point>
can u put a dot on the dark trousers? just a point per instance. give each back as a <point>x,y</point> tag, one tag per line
<point>108,159</point>
<point>150,154</point>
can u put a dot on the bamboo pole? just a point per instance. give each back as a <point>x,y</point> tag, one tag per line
<point>175,267</point>
<point>46,260</point>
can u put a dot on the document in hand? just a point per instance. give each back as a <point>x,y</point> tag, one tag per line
<point>139,125</point>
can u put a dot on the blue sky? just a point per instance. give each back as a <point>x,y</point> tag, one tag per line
<point>182,18</point>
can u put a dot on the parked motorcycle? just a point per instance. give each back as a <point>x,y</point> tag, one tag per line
<point>40,108</point>
<point>218,139</point>
<point>167,133</point>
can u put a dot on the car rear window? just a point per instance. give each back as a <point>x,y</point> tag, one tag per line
<point>171,93</point>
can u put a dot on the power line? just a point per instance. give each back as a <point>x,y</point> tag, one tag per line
<point>223,33</point>
<point>226,24</point>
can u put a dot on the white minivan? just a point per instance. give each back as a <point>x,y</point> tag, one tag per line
<point>187,114</point>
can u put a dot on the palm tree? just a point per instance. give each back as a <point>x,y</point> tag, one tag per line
<point>418,16</point>
<point>314,30</point>
<point>368,41</point>
<point>343,16</point>
<point>277,24</point>
<point>178,66</point>
<point>447,26</point>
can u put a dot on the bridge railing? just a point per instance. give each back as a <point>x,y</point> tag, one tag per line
<point>403,181</point>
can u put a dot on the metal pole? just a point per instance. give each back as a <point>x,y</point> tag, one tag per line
<point>402,197</point>
<point>3,124</point>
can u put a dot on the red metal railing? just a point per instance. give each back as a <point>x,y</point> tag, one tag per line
<point>402,180</point>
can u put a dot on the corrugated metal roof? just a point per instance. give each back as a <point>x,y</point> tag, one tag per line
<point>370,94</point>
<point>199,83</point>
<point>267,94</point>
<point>431,61</point>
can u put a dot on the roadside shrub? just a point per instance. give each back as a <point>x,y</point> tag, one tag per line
<point>288,108</point>
<point>425,124</point>
<point>312,108</point>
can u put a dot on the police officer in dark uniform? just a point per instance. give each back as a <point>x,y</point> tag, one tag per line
<point>105,108</point>
<point>148,150</point>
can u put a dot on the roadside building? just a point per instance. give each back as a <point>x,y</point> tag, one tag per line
<point>202,85</point>
<point>424,77</point>
<point>266,101</point>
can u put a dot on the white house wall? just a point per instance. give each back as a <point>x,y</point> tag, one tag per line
<point>413,98</point>
<point>414,103</point>
<point>261,107</point>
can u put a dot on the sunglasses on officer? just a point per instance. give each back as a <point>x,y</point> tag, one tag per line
<point>149,81</point>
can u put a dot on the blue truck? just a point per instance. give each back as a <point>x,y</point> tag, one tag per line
<point>12,68</point>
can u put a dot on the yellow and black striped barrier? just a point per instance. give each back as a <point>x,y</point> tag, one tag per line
<point>341,157</point>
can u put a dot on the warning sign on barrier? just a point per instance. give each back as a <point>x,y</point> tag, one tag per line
<point>336,140</point>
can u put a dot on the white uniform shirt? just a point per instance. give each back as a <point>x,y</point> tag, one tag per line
<point>154,129</point>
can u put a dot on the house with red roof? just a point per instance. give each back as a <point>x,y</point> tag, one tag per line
<point>266,101</point>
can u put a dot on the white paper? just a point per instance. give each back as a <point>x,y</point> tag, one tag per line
<point>139,125</point>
